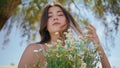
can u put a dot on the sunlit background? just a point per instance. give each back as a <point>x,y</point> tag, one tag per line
<point>22,28</point>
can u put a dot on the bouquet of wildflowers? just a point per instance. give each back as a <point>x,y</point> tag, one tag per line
<point>71,53</point>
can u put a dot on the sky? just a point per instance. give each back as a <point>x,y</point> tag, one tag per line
<point>12,51</point>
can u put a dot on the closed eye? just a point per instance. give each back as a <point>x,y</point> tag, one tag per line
<point>49,16</point>
<point>60,15</point>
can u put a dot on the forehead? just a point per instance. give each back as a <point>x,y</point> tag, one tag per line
<point>54,8</point>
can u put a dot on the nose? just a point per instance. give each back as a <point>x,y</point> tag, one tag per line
<point>55,18</point>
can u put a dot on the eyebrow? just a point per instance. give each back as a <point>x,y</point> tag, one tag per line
<point>57,12</point>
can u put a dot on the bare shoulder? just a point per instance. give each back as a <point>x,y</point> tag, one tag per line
<point>34,46</point>
<point>29,51</point>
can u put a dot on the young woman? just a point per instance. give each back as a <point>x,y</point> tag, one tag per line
<point>55,18</point>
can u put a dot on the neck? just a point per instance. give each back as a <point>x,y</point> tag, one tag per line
<point>55,37</point>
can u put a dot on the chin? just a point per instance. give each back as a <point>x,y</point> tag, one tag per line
<point>58,30</point>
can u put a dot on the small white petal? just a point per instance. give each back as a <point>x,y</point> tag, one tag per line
<point>36,51</point>
<point>56,33</point>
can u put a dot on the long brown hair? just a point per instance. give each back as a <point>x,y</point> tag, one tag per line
<point>45,36</point>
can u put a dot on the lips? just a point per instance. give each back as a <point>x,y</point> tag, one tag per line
<point>56,23</point>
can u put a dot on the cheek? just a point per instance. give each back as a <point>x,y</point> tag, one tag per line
<point>48,26</point>
<point>63,21</point>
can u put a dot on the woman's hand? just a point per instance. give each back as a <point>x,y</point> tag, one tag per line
<point>92,35</point>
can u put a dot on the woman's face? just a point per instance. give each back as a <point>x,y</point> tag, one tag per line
<point>56,20</point>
